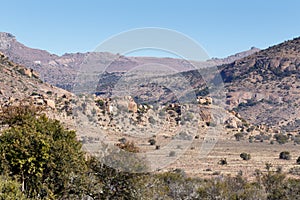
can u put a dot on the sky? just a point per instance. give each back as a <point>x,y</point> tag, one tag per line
<point>221,27</point>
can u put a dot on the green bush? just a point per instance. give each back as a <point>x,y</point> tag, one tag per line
<point>245,156</point>
<point>285,155</point>
<point>39,153</point>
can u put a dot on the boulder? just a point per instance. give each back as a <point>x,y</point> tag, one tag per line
<point>132,106</point>
<point>26,72</point>
<point>50,103</point>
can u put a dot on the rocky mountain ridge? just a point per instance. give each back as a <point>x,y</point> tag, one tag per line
<point>62,70</point>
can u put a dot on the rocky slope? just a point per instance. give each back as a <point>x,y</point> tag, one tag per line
<point>264,87</point>
<point>22,85</point>
<point>175,128</point>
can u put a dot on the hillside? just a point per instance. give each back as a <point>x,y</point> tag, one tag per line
<point>22,85</point>
<point>264,87</point>
<point>62,70</point>
<point>182,131</point>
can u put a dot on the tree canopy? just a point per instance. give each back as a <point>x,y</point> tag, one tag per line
<point>40,153</point>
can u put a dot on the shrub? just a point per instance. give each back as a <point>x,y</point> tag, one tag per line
<point>172,153</point>
<point>298,160</point>
<point>285,155</point>
<point>123,140</point>
<point>100,103</point>
<point>251,138</point>
<point>151,120</point>
<point>245,156</point>
<point>152,141</point>
<point>295,171</point>
<point>238,136</point>
<point>223,161</point>
<point>296,139</point>
<point>49,92</point>
<point>281,139</point>
<point>128,146</point>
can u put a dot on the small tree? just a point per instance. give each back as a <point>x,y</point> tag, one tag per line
<point>285,155</point>
<point>245,156</point>
<point>44,157</point>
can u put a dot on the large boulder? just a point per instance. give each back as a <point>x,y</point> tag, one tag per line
<point>50,103</point>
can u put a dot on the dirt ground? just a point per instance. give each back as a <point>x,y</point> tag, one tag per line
<point>261,153</point>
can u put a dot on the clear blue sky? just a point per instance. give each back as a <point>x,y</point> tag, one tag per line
<point>222,27</point>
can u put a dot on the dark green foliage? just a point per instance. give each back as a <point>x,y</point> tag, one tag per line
<point>245,156</point>
<point>49,92</point>
<point>100,103</point>
<point>40,154</point>
<point>285,155</point>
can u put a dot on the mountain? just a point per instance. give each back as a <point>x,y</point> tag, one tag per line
<point>261,89</point>
<point>62,70</point>
<point>264,87</point>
